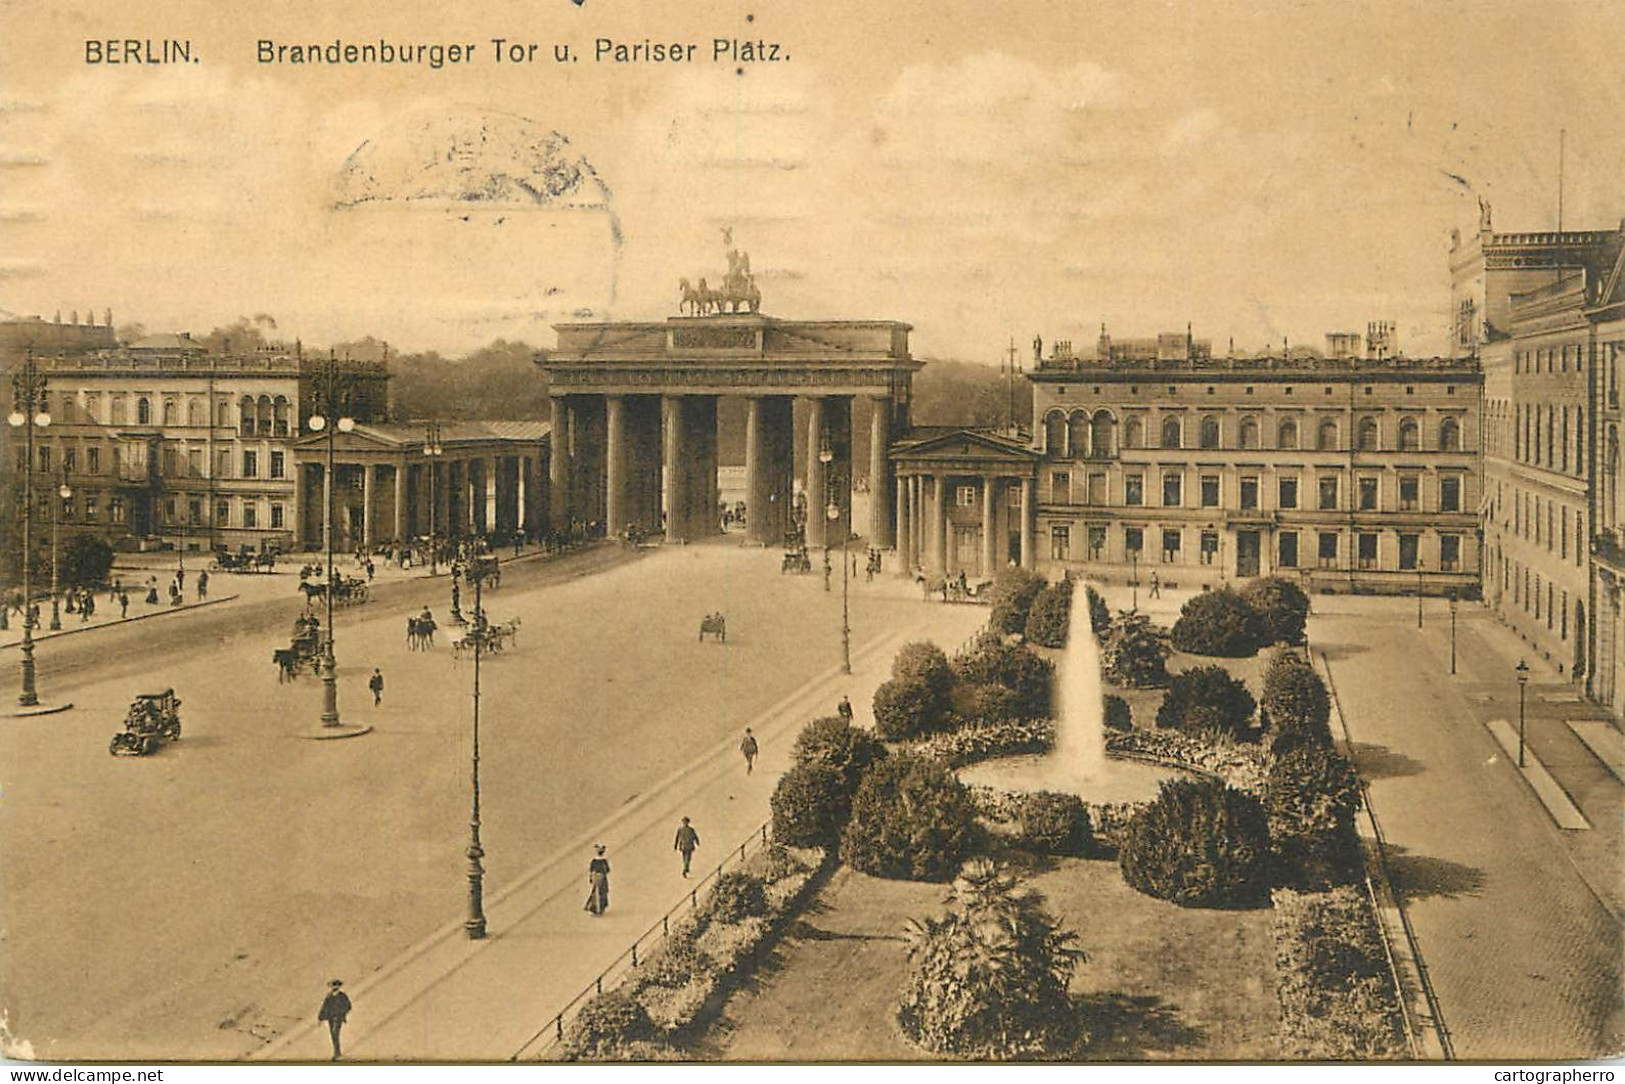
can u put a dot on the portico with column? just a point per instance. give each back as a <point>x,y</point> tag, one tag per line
<point>659,388</point>
<point>964,502</point>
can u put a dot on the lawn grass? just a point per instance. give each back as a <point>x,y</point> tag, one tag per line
<point>1162,983</point>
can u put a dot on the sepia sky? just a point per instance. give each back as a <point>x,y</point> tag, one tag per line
<point>982,170</point>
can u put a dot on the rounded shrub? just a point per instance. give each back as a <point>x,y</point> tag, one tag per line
<point>834,743</point>
<point>810,806</point>
<point>1219,623</point>
<point>1311,797</point>
<point>1013,668</point>
<point>1118,715</point>
<point>1134,655</point>
<point>1100,617</point>
<point>916,699</point>
<point>1199,844</point>
<point>1011,596</point>
<point>606,1024</point>
<point>1051,615</point>
<point>911,820</point>
<point>86,561</point>
<point>1295,698</point>
<point>1207,700</point>
<point>1054,823</point>
<point>737,895</point>
<point>1282,607</point>
<point>675,965</point>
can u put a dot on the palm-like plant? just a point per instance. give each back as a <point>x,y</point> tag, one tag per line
<point>989,980</point>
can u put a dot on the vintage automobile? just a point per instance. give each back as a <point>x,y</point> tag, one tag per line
<point>153,719</point>
<point>714,625</point>
<point>796,560</point>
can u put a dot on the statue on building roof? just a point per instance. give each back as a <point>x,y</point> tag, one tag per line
<point>738,292</point>
<point>1484,215</point>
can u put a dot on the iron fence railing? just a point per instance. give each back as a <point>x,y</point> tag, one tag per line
<point>552,1032</point>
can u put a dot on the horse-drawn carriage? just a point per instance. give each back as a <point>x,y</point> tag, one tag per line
<point>153,719</point>
<point>796,560</point>
<point>243,561</point>
<point>485,568</point>
<point>347,590</point>
<point>954,588</point>
<point>485,636</point>
<point>714,625</point>
<point>305,649</point>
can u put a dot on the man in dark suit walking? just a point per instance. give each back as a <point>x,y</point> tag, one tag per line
<point>335,1007</point>
<point>688,840</point>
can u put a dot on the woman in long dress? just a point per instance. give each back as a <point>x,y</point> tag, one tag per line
<point>598,879</point>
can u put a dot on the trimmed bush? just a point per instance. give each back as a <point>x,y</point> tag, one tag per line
<point>1282,607</point>
<point>989,981</point>
<point>1219,623</point>
<point>1118,715</point>
<point>1207,700</point>
<point>1054,824</point>
<point>1200,844</point>
<point>85,562</point>
<point>1051,615</point>
<point>916,699</point>
<point>1011,667</point>
<point>1100,618</point>
<point>1134,655</point>
<point>1311,799</point>
<point>834,743</point>
<point>606,1024</point>
<point>911,819</point>
<point>737,895</point>
<point>1337,996</point>
<point>1295,699</point>
<point>1011,596</point>
<point>810,806</point>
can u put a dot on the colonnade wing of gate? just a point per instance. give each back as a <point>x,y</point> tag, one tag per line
<point>635,424</point>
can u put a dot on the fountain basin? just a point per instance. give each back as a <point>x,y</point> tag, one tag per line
<point>1119,781</point>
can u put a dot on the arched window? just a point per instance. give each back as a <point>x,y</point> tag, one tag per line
<point>263,415</point>
<point>245,411</point>
<point>1367,441</point>
<point>194,412</point>
<point>143,411</point>
<point>1249,432</point>
<point>1170,431</point>
<point>279,411</point>
<point>1326,436</point>
<point>120,411</point>
<point>1077,433</point>
<point>1055,433</point>
<point>172,412</point>
<point>1210,432</point>
<point>1133,433</point>
<point>1409,435</point>
<point>1450,435</point>
<point>1102,431</point>
<point>1286,434</point>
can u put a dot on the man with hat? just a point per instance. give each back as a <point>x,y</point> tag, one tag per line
<point>335,1007</point>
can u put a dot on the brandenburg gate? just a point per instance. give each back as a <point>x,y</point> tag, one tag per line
<point>634,413</point>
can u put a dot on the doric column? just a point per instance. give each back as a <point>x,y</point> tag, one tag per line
<point>327,509</point>
<point>676,473</point>
<point>400,501</point>
<point>880,475</point>
<point>366,506</point>
<point>758,483</point>
<point>558,469</point>
<point>816,497</point>
<point>916,515</point>
<point>990,525</point>
<point>616,512</point>
<point>939,527</point>
<point>905,544</point>
<point>1027,554</point>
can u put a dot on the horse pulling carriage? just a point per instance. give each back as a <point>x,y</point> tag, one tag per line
<point>153,719</point>
<point>487,637</point>
<point>346,590</point>
<point>715,625</point>
<point>226,561</point>
<point>954,588</point>
<point>304,651</point>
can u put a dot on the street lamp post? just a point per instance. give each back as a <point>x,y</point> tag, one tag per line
<point>1523,683</point>
<point>56,583</point>
<point>1453,604</point>
<point>433,449</point>
<point>329,391</point>
<point>474,925</point>
<point>832,511</point>
<point>28,412</point>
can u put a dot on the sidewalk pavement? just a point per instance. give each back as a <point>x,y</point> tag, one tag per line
<point>106,615</point>
<point>451,999</point>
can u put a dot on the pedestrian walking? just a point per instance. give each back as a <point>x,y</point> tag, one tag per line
<point>202,586</point>
<point>376,684</point>
<point>844,708</point>
<point>749,749</point>
<point>180,578</point>
<point>152,590</point>
<point>1156,585</point>
<point>370,569</point>
<point>598,882</point>
<point>123,604</point>
<point>686,843</point>
<point>335,1008</point>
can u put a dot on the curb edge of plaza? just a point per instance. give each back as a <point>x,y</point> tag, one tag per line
<point>706,761</point>
<point>121,622</point>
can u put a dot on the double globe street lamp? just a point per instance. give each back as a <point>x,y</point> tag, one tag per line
<point>64,492</point>
<point>30,411</point>
<point>832,511</point>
